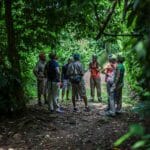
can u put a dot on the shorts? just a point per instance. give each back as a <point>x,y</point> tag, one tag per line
<point>79,88</point>
<point>66,85</point>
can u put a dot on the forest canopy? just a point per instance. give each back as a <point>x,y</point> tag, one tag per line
<point>65,27</point>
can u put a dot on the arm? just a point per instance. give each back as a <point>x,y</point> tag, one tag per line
<point>89,66</point>
<point>98,67</point>
<point>117,76</point>
<point>35,70</point>
<point>57,71</point>
<point>82,70</point>
<point>46,71</point>
<point>62,73</point>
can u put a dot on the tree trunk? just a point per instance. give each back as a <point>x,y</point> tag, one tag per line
<point>13,58</point>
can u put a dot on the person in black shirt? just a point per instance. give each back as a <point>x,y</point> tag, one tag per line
<point>52,73</point>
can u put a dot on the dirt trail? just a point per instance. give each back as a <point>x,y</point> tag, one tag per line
<point>38,129</point>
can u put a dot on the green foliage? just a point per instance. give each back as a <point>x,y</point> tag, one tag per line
<point>137,64</point>
<point>67,27</point>
<point>135,130</point>
<point>8,103</point>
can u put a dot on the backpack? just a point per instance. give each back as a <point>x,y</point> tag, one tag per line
<point>75,78</point>
<point>51,71</point>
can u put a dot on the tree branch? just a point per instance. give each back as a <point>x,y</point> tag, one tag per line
<point>96,13</point>
<point>125,9</point>
<point>106,21</point>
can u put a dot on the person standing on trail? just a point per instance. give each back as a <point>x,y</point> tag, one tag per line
<point>109,71</point>
<point>41,80</point>
<point>53,76</point>
<point>66,85</point>
<point>116,88</point>
<point>75,72</point>
<point>119,82</point>
<point>95,80</point>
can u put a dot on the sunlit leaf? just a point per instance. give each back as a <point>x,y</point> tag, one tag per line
<point>138,144</point>
<point>122,139</point>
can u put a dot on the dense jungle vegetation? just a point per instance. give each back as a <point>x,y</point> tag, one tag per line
<point>88,27</point>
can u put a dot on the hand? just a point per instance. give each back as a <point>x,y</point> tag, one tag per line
<point>113,88</point>
<point>60,84</point>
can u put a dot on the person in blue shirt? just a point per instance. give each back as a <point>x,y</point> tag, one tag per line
<point>52,73</point>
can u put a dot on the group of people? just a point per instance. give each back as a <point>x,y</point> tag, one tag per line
<point>50,78</point>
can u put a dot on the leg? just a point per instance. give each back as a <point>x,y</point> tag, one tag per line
<point>39,91</point>
<point>92,86</point>
<point>98,87</point>
<point>50,97</point>
<point>108,93</point>
<point>119,99</point>
<point>55,95</point>
<point>112,103</point>
<point>63,93</point>
<point>63,89</point>
<point>67,94</point>
<point>85,100</point>
<point>45,91</point>
<point>73,94</point>
<point>82,92</point>
<point>68,89</point>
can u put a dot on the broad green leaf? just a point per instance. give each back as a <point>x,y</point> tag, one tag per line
<point>136,130</point>
<point>138,144</point>
<point>122,139</point>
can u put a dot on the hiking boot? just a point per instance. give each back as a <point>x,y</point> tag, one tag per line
<point>75,109</point>
<point>92,100</point>
<point>39,103</point>
<point>118,112</point>
<point>51,111</point>
<point>107,109</point>
<point>86,109</point>
<point>45,102</point>
<point>110,114</point>
<point>58,110</point>
<point>100,99</point>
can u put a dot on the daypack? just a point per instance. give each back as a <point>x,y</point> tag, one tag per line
<point>51,71</point>
<point>76,79</point>
<point>76,76</point>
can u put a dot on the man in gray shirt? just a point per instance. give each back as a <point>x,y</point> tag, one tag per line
<point>41,80</point>
<point>75,72</point>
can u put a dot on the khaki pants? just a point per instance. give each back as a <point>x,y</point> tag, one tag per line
<point>119,98</point>
<point>53,95</point>
<point>111,98</point>
<point>41,87</point>
<point>95,83</point>
<point>115,97</point>
<point>108,93</point>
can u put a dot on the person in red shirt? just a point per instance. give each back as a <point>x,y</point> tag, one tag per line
<point>95,79</point>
